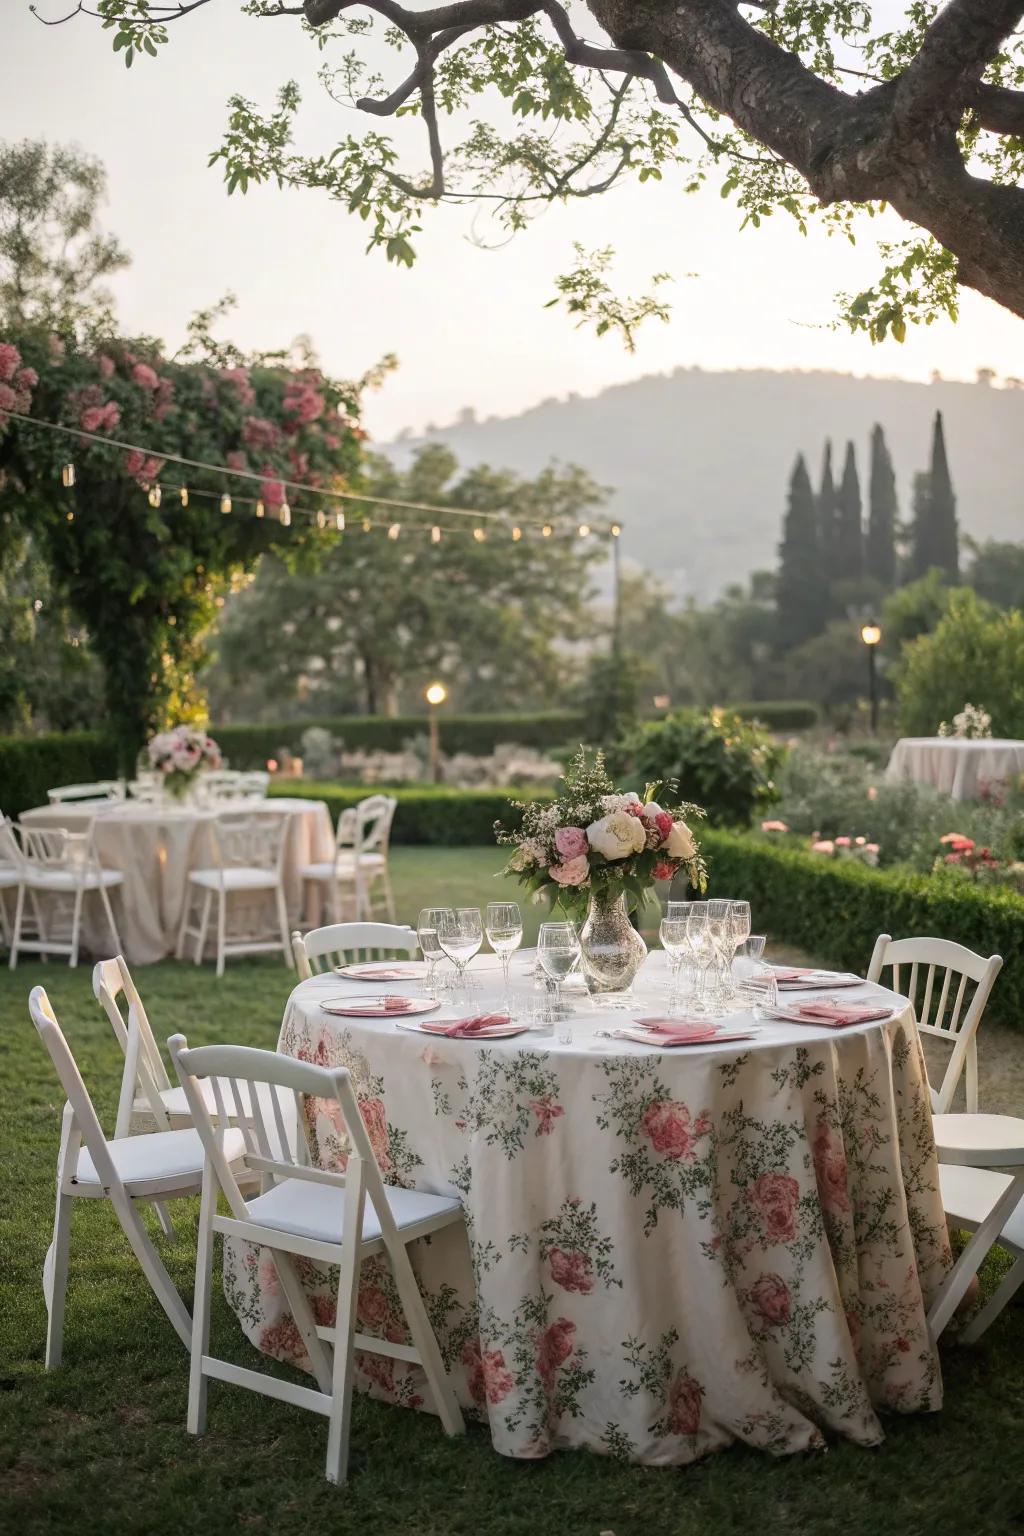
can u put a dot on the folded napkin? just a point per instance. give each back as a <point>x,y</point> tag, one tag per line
<point>794,972</point>
<point>835,1015</point>
<point>678,1031</point>
<point>381,1009</point>
<point>466,1029</point>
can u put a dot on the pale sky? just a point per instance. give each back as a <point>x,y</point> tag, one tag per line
<point>468,325</point>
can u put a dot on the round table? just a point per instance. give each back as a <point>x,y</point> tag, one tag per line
<point>964,770</point>
<point>665,1251</point>
<point>154,847</point>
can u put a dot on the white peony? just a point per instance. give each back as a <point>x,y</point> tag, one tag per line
<point>618,835</point>
<point>680,843</point>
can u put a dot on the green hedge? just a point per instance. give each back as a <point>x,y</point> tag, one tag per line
<point>779,714</point>
<point>249,746</point>
<point>441,817</point>
<point>31,765</point>
<point>835,909</point>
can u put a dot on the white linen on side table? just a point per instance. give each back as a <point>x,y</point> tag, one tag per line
<point>958,768</point>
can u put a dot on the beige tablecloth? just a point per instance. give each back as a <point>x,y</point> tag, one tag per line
<point>964,770</point>
<point>667,1251</point>
<point>155,847</point>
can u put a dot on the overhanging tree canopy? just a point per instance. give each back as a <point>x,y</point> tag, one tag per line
<point>816,107</point>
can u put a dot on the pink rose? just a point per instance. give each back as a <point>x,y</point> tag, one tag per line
<point>376,1121</point>
<point>664,823</point>
<point>770,1296</point>
<point>830,1170</point>
<point>10,360</point>
<point>823,845</point>
<point>8,399</point>
<point>842,842</point>
<point>571,1270</point>
<point>26,378</point>
<point>105,364</point>
<point>664,870</point>
<point>145,376</point>
<point>488,1378</point>
<point>271,491</point>
<point>774,1197</point>
<point>372,1306</point>
<point>547,1113</point>
<point>571,842</point>
<point>92,419</point>
<point>257,432</point>
<point>672,1130</point>
<point>574,872</point>
<point>872,793</point>
<point>774,826</point>
<point>684,1404</point>
<point>111,415</point>
<point>554,1348</point>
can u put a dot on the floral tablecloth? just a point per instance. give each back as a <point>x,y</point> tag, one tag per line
<point>666,1252</point>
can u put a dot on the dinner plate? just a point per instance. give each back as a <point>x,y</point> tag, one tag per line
<point>358,1005</point>
<point>381,970</point>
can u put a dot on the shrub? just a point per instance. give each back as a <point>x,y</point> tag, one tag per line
<point>973,653</point>
<point>31,765</point>
<point>780,714</point>
<point>836,908</point>
<point>724,763</point>
<point>249,746</point>
<point>427,814</point>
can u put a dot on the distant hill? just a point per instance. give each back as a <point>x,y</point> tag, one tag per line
<point>699,461</point>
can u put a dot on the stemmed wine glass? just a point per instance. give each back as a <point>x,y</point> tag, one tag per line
<point>558,950</point>
<point>674,941</point>
<point>460,934</point>
<point>719,934</point>
<point>504,927</point>
<point>427,925</point>
<point>698,943</point>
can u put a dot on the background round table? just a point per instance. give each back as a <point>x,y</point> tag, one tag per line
<point>154,847</point>
<point>667,1250</point>
<point>961,769</point>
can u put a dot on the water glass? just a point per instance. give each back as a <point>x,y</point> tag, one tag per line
<point>758,991</point>
<point>427,925</point>
<point>673,934</point>
<point>460,935</point>
<point>503,923</point>
<point>558,950</point>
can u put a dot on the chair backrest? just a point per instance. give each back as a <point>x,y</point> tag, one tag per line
<point>235,1072</point>
<point>247,841</point>
<point>10,848</point>
<point>348,943</point>
<point>144,1070</point>
<point>346,833</point>
<point>966,978</point>
<point>50,849</point>
<point>374,816</point>
<point>84,1122</point>
<point>254,785</point>
<point>102,789</point>
<point>147,790</point>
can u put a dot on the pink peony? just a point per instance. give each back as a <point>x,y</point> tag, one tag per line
<point>573,872</point>
<point>145,376</point>
<point>26,378</point>
<point>664,823</point>
<point>8,399</point>
<point>830,1170</point>
<point>10,360</point>
<point>672,1129</point>
<point>774,1197</point>
<point>571,842</point>
<point>770,1296</point>
<point>554,1348</point>
<point>571,1270</point>
<point>684,1405</point>
<point>664,870</point>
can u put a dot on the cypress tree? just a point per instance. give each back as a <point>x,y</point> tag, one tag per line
<point>880,550</point>
<point>936,540</point>
<point>827,517</point>
<point>849,547</point>
<point>801,593</point>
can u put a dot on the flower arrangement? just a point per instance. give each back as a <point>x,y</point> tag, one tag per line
<point>972,724</point>
<point>593,842</point>
<point>181,755</point>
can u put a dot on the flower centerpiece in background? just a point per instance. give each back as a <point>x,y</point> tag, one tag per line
<point>972,724</point>
<point>596,852</point>
<point>181,755</point>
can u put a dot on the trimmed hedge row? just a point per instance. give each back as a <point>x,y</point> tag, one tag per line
<point>427,814</point>
<point>249,746</point>
<point>836,908</point>
<point>779,714</point>
<point>31,765</point>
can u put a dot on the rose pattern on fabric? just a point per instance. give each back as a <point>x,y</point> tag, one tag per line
<point>673,1130</point>
<point>830,1170</point>
<point>684,1405</point>
<point>488,1377</point>
<point>771,1298</point>
<point>774,1197</point>
<point>571,1270</point>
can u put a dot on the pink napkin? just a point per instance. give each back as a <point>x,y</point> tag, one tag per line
<point>792,972</point>
<point>835,1016</point>
<point>387,1006</point>
<point>466,1029</point>
<point>678,1031</point>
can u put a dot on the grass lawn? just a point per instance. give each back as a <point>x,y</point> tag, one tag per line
<point>100,1446</point>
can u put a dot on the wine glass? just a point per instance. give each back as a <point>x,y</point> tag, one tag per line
<point>503,924</point>
<point>427,925</point>
<point>718,928</point>
<point>698,943</point>
<point>739,927</point>
<point>558,950</point>
<point>460,934</point>
<point>673,933</point>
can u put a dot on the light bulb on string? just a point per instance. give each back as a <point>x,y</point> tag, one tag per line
<point>615,530</point>
<point>67,476</point>
<point>225,503</point>
<point>517,534</point>
<point>479,535</point>
<point>285,515</point>
<point>394,530</point>
<point>155,495</point>
<point>71,517</point>
<point>183,493</point>
<point>435,535</point>
<point>321,518</point>
<point>584,530</point>
<point>367,525</point>
<point>339,521</point>
<point>260,509</point>
<point>547,531</point>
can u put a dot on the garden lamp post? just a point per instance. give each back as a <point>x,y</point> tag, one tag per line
<point>435,696</point>
<point>871,634</point>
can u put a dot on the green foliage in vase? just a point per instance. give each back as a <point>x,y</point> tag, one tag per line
<point>725,763</point>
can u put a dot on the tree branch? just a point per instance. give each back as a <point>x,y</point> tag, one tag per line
<point>962,39</point>
<point>998,109</point>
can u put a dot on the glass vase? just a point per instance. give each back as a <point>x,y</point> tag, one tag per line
<point>611,951</point>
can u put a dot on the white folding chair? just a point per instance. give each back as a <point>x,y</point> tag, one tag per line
<point>61,867</point>
<point>959,1028</point>
<point>332,1218</point>
<point>348,943</point>
<point>221,784</point>
<point>981,1177</point>
<point>125,1170</point>
<point>254,785</point>
<point>10,872</point>
<point>250,866</point>
<point>361,847</point>
<point>102,789</point>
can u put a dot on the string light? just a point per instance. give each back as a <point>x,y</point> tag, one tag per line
<point>71,517</point>
<point>615,530</point>
<point>67,476</point>
<point>183,493</point>
<point>321,518</point>
<point>435,535</point>
<point>517,534</point>
<point>584,530</point>
<point>547,531</point>
<point>155,495</point>
<point>225,502</point>
<point>260,509</point>
<point>285,515</point>
<point>367,525</point>
<point>394,530</point>
<point>339,521</point>
<point>479,535</point>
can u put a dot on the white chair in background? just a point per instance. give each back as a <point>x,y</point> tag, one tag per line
<point>347,943</point>
<point>360,860</point>
<point>254,785</point>
<point>102,789</point>
<point>125,1170</point>
<point>221,784</point>
<point>60,867</point>
<point>10,872</point>
<point>307,1212</point>
<point>958,965</point>
<point>981,1177</point>
<point>249,850</point>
